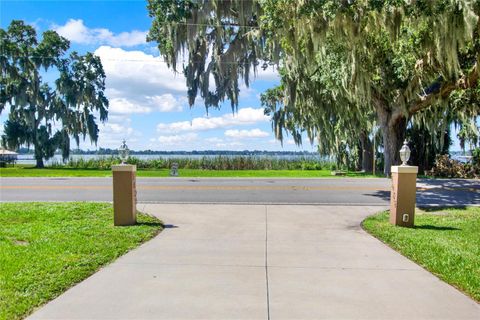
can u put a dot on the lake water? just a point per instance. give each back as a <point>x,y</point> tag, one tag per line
<point>28,158</point>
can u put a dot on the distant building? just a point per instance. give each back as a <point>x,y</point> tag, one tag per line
<point>7,156</point>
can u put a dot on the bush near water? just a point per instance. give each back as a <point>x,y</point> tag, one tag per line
<point>204,163</point>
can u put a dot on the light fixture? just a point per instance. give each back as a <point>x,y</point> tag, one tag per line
<point>123,152</point>
<point>405,153</point>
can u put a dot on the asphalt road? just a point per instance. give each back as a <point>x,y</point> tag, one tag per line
<point>336,191</point>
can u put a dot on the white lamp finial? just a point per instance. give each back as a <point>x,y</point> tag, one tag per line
<point>405,153</point>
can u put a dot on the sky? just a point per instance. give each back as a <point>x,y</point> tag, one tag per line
<point>148,102</point>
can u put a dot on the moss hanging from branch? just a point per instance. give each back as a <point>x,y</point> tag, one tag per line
<point>214,40</point>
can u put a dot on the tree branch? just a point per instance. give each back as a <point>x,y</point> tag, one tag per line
<point>465,82</point>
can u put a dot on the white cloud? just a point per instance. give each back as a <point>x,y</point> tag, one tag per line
<point>167,102</point>
<point>229,144</point>
<point>142,71</point>
<point>140,83</point>
<point>233,145</point>
<point>126,106</point>
<point>245,116</point>
<point>269,74</point>
<point>246,92</point>
<point>290,142</point>
<point>76,31</point>
<point>163,103</point>
<point>218,143</point>
<point>246,134</point>
<point>214,140</point>
<point>174,140</point>
<point>117,128</point>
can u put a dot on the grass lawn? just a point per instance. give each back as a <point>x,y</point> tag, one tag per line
<point>27,171</point>
<point>444,241</point>
<point>45,248</point>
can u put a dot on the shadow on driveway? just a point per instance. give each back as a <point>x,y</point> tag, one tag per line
<point>442,192</point>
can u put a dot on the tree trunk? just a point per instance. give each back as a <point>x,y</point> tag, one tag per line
<point>38,156</point>
<point>393,125</point>
<point>367,152</point>
<point>359,159</point>
<point>40,164</point>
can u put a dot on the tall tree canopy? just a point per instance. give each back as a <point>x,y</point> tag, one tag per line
<point>345,65</point>
<point>218,40</point>
<point>39,114</point>
<point>400,59</point>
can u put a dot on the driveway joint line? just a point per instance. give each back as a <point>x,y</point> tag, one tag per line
<point>188,265</point>
<point>266,263</point>
<point>346,268</point>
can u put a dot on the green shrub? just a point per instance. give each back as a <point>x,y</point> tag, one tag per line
<point>203,163</point>
<point>476,157</point>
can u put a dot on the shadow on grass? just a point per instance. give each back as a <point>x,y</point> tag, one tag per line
<point>352,174</point>
<point>433,209</point>
<point>436,228</point>
<point>152,224</point>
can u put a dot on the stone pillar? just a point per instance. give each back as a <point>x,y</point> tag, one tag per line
<point>403,195</point>
<point>124,195</point>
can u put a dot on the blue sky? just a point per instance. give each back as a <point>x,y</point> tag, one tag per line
<point>148,105</point>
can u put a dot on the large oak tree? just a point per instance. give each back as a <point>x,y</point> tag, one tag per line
<point>344,64</point>
<point>401,60</point>
<point>47,114</point>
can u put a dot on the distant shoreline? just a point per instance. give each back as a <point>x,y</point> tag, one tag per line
<point>107,152</point>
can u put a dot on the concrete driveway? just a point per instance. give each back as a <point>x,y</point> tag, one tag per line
<point>261,262</point>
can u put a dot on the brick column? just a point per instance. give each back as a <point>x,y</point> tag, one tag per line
<point>403,195</point>
<point>124,195</point>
